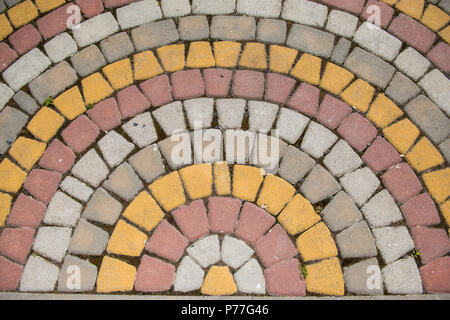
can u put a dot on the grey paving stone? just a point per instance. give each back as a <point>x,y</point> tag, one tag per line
<point>261,115</point>
<point>25,69</point>
<point>360,185</point>
<point>175,8</point>
<point>267,152</point>
<point>103,208</point>
<point>213,7</point>
<point>26,102</point>
<point>342,23</point>
<point>62,211</point>
<point>401,89</point>
<point>138,13</point>
<point>87,272</point>
<point>364,278</point>
<point>207,145</point>
<point>305,12</point>
<point>114,148</point>
<point>189,276</point>
<point>238,145</point>
<point>381,210</point>
<point>6,93</point>
<point>393,242</point>
<point>429,118</point>
<point>235,252</point>
<point>341,212</point>
<point>60,47</point>
<point>11,123</point>
<point>317,140</point>
<point>177,150</point>
<point>52,242</point>
<point>95,29</point>
<point>148,163</point>
<point>39,275</point>
<point>437,86</point>
<point>88,60</point>
<point>319,185</point>
<point>311,40</point>
<point>444,147</point>
<point>342,159</point>
<point>356,241</point>
<point>193,28</point>
<point>2,6</point>
<point>88,240</point>
<point>170,117</point>
<point>90,168</point>
<point>250,278</point>
<point>230,112</point>
<point>12,3</point>
<point>199,112</point>
<point>116,47</point>
<point>295,164</point>
<point>402,277</point>
<point>205,251</point>
<point>271,31</point>
<point>124,182</point>
<point>412,63</point>
<point>262,8</point>
<point>291,125</point>
<point>233,28</point>
<point>340,51</point>
<point>76,188</point>
<point>141,130</point>
<point>445,5</point>
<point>155,34</point>
<point>369,67</point>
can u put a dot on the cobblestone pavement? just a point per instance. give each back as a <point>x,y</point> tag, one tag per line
<point>96,98</point>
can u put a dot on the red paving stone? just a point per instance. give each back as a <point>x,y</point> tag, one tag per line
<point>420,211</point>
<point>217,82</point>
<point>279,88</point>
<point>432,243</point>
<point>402,182</point>
<point>116,3</point>
<point>386,12</point>
<point>248,84</point>
<point>80,134</point>
<point>7,56</point>
<point>25,39</point>
<point>26,212</point>
<point>55,22</point>
<point>90,8</point>
<point>440,56</point>
<point>353,6</point>
<point>192,220</point>
<point>131,102</point>
<point>283,279</point>
<point>187,84</point>
<point>305,99</point>
<point>10,274</point>
<point>436,275</point>
<point>154,275</point>
<point>253,223</point>
<point>42,184</point>
<point>332,111</point>
<point>223,213</point>
<point>381,155</point>
<point>275,247</point>
<point>357,131</point>
<point>106,114</point>
<point>16,243</point>
<point>167,242</point>
<point>57,157</point>
<point>157,90</point>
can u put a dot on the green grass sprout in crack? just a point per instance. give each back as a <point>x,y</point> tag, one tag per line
<point>47,102</point>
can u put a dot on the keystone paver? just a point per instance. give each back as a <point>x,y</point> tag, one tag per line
<point>114,148</point>
<point>88,239</point>
<point>317,140</point>
<point>155,34</point>
<point>91,168</point>
<point>261,115</point>
<point>271,31</point>
<point>393,242</point>
<point>189,276</point>
<point>88,60</point>
<point>16,243</point>
<point>26,102</point>
<point>141,130</point>
<point>176,158</point>
<point>264,8</point>
<point>193,28</point>
<point>213,7</point>
<point>95,29</point>
<point>341,212</point>
<point>192,220</point>
<point>311,40</point>
<point>148,163</point>
<point>62,211</point>
<point>76,188</point>
<point>205,251</point>
<point>52,242</point>
<point>356,241</point>
<point>175,8</point>
<point>435,275</point>
<point>116,47</point>
<point>250,278</point>
<point>87,269</point>
<point>305,12</point>
<point>26,212</point>
<point>235,252</point>
<point>319,185</point>
<point>124,182</point>
<point>60,47</point>
<point>230,112</point>
<point>284,279</point>
<point>39,275</point>
<point>138,13</point>
<point>233,28</point>
<point>154,275</point>
<point>42,184</point>
<point>360,278</point>
<point>199,112</point>
<point>217,82</point>
<point>103,208</point>
<point>402,89</point>
<point>167,242</point>
<point>381,210</point>
<point>342,24</point>
<point>402,277</point>
<point>402,182</point>
<point>291,125</point>
<point>219,282</point>
<point>357,131</point>
<point>412,63</point>
<point>437,86</point>
<point>360,185</point>
<point>342,159</point>
<point>11,123</point>
<point>332,111</point>
<point>432,243</point>
<point>170,117</point>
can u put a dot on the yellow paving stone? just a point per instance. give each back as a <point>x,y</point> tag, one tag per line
<point>424,155</point>
<point>438,183</point>
<point>119,74</point>
<point>27,151</point>
<point>445,208</point>
<point>335,78</point>
<point>70,103</point>
<point>5,206</point>
<point>5,27</point>
<point>316,243</point>
<point>45,124</point>
<point>126,240</point>
<point>222,180</point>
<point>219,282</point>
<point>47,5</point>
<point>146,66</point>
<point>200,55</point>
<point>115,275</point>
<point>412,8</point>
<point>390,2</point>
<point>325,277</point>
<point>359,94</point>
<point>246,182</point>
<point>168,191</point>
<point>434,18</point>
<point>254,56</point>
<point>226,53</point>
<point>95,88</point>
<point>197,179</point>
<point>275,193</point>
<point>307,69</point>
<point>383,111</point>
<point>144,211</point>
<point>445,34</point>
<point>281,58</point>
<point>172,57</point>
<point>11,176</point>
<point>22,13</point>
<point>298,215</point>
<point>402,135</point>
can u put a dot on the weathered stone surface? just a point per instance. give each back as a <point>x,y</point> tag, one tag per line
<point>356,241</point>
<point>189,276</point>
<point>155,34</point>
<point>102,208</point>
<point>11,123</point>
<point>205,251</point>
<point>62,211</point>
<point>124,182</point>
<point>341,212</point>
<point>88,273</point>
<point>250,278</point>
<point>393,242</point>
<point>311,40</point>
<point>402,277</point>
<point>360,185</point>
<point>39,275</point>
<point>361,278</point>
<point>342,159</point>
<point>381,210</point>
<point>235,252</point>
<point>319,185</point>
<point>88,240</point>
<point>52,242</point>
<point>91,168</point>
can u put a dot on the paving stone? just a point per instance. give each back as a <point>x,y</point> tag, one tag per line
<point>116,3</point>
<point>88,273</point>
<point>381,155</point>
<point>76,188</point>
<point>167,242</point>
<point>88,60</point>
<point>420,211</point>
<point>261,115</point>
<point>219,282</point>
<point>131,102</point>
<point>235,252</point>
<point>205,251</point>
<point>116,47</point>
<point>39,275</point>
<point>90,8</point>
<point>341,212</point>
<point>208,146</point>
<point>317,140</point>
<point>230,112</point>
<point>187,84</point>
<point>126,240</point>
<point>26,102</point>
<point>57,157</point>
<point>357,131</point>
<point>393,242</point>
<point>157,90</point>
<point>305,12</point>
<point>342,159</point>
<point>250,278</point>
<point>360,278</point>
<point>319,185</point>
<point>412,63</point>
<point>52,242</point>
<point>11,123</point>
<point>213,7</point>
<point>284,279</point>
<point>438,55</point>
<point>26,212</point>
<point>248,84</point>
<point>217,82</point>
<point>356,241</point>
<point>310,40</point>
<point>148,163</point>
<point>168,191</point>
<point>274,148</point>
<point>170,149</point>
<point>141,130</point>
<point>155,34</point>
<point>402,277</point>
<point>278,88</point>
<point>386,12</point>
<point>305,99</point>
<point>325,277</point>
<point>138,13</point>
<point>437,86</point>
<point>114,148</point>
<point>176,8</point>
<point>189,276</point>
<point>105,114</point>
<point>88,240</point>
<point>298,215</point>
<point>266,8</point>
<point>253,223</point>
<point>124,182</point>
<point>233,28</point>
<point>444,147</point>
<point>170,117</point>
<point>80,134</point>
<point>62,211</point>
<point>154,275</point>
<point>193,28</point>
<point>199,112</point>
<point>10,272</point>
<point>12,178</point>
<point>16,243</point>
<point>402,182</point>
<point>42,184</point>
<point>402,89</point>
<point>432,243</point>
<point>115,276</point>
<point>95,29</point>
<point>144,211</point>
<point>271,31</point>
<point>342,23</point>
<point>435,275</point>
<point>25,39</point>
<point>275,246</point>
<point>332,111</point>
<point>119,75</point>
<point>291,125</point>
<point>60,47</point>
<point>102,208</point>
<point>381,210</point>
<point>360,185</point>
<point>340,51</point>
<point>192,220</point>
<point>91,168</point>
<point>223,213</point>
